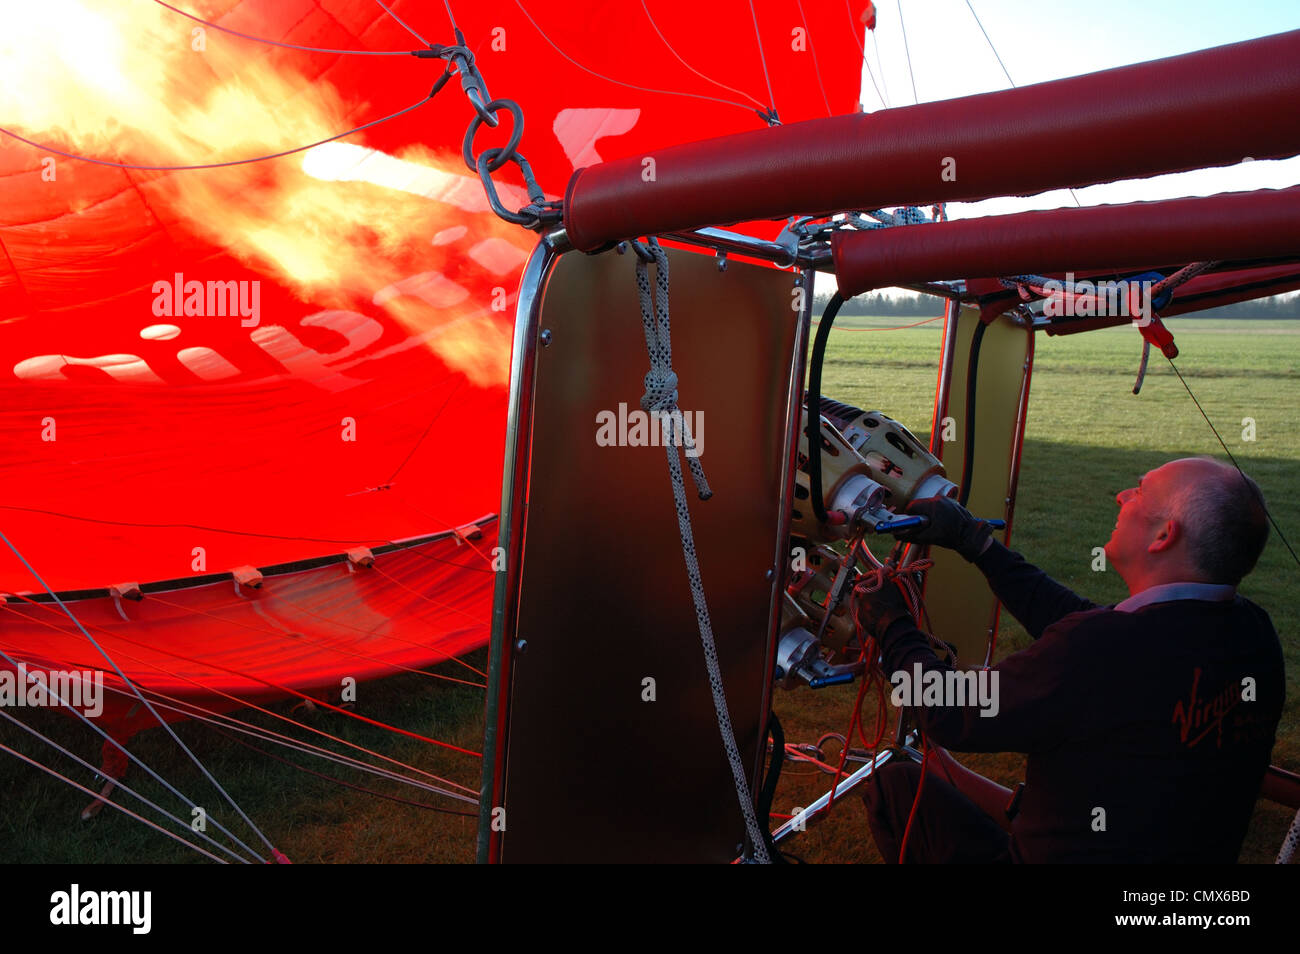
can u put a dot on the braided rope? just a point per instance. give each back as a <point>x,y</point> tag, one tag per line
<point>1290,843</point>
<point>1179,277</point>
<point>884,219</point>
<point>661,398</point>
<point>1142,366</point>
<point>1014,281</point>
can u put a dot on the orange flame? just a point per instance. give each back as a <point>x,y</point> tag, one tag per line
<point>338,224</point>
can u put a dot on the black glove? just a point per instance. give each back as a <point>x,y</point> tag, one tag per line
<point>951,525</point>
<point>875,612</point>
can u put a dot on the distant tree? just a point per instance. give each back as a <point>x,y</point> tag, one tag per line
<point>878,304</point>
<point>1278,306</point>
<point>907,304</point>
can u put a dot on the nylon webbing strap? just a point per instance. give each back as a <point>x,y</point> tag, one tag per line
<point>661,399</point>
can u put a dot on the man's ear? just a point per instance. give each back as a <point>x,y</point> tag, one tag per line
<point>1167,533</point>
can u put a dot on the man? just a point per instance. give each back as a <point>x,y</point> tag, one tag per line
<point>1148,725</point>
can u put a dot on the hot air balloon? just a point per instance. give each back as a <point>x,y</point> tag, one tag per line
<point>294,398</point>
<point>255,369</point>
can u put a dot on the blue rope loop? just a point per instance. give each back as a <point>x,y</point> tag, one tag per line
<point>1161,301</point>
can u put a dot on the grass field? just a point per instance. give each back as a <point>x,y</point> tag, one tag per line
<point>1087,437</point>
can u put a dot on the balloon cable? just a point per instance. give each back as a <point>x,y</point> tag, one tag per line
<point>108,801</point>
<point>126,788</point>
<point>1267,512</point>
<point>109,739</point>
<point>287,46</point>
<point>145,702</point>
<point>243,704</point>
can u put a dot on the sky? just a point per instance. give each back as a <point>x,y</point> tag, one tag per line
<point>1041,40</point>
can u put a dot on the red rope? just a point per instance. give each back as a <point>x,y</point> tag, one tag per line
<point>920,786</point>
<point>241,703</point>
<point>873,581</point>
<point>894,328</point>
<point>339,781</point>
<point>275,686</point>
<point>844,754</point>
<point>285,634</point>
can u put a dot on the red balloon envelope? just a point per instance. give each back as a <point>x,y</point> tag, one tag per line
<point>274,361</point>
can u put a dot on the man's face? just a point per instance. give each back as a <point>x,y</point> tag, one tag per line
<point>1143,511</point>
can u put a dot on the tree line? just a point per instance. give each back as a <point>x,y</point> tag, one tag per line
<point>916,305</point>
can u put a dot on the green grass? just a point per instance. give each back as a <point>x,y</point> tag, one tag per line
<point>308,818</point>
<point>1087,437</point>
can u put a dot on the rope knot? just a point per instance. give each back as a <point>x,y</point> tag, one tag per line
<point>660,390</point>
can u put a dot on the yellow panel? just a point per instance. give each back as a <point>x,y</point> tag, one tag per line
<point>961,606</point>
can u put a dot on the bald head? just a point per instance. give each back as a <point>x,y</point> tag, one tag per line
<point>1191,520</point>
<point>1221,514</point>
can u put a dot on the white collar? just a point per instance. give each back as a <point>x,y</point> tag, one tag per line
<point>1165,592</point>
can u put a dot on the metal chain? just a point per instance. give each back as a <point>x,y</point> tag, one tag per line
<point>538,213</point>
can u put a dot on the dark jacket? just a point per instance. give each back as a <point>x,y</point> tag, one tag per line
<point>1147,732</point>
